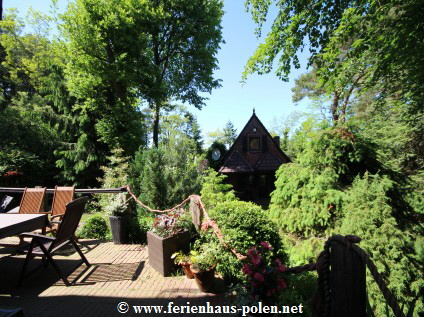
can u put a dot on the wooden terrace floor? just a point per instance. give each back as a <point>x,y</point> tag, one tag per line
<point>119,273</point>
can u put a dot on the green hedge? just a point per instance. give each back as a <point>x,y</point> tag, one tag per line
<point>95,228</point>
<point>244,225</point>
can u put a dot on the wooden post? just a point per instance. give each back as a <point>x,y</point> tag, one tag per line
<point>196,213</point>
<point>347,282</point>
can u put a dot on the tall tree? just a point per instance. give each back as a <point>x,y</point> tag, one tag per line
<point>106,70</point>
<point>177,120</point>
<point>184,37</point>
<point>349,42</point>
<point>226,136</point>
<point>230,134</point>
<point>29,122</point>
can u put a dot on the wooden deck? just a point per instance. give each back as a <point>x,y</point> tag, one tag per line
<point>119,273</point>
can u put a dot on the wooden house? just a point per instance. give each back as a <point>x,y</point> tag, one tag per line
<point>251,162</point>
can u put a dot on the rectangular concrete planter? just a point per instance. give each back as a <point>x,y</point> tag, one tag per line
<point>161,249</point>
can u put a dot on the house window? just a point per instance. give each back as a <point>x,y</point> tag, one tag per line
<point>254,143</point>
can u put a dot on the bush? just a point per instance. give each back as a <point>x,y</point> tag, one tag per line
<point>95,228</point>
<point>163,177</point>
<point>214,190</point>
<point>140,225</point>
<point>244,225</point>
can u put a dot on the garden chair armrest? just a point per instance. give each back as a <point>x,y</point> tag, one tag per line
<point>57,216</point>
<point>34,235</point>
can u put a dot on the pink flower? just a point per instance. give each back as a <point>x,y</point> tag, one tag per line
<point>259,277</point>
<point>246,269</point>
<point>281,267</point>
<point>270,292</point>
<point>281,283</point>
<point>251,251</point>
<point>266,245</point>
<point>256,259</point>
<point>254,256</point>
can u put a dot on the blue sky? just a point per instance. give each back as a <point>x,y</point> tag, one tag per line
<point>234,101</point>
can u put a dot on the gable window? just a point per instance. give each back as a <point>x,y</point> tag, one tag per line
<point>254,143</point>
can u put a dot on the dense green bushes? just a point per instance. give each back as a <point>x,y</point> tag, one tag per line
<point>214,190</point>
<point>338,185</point>
<point>95,228</point>
<point>243,224</point>
<point>165,176</point>
<point>369,213</point>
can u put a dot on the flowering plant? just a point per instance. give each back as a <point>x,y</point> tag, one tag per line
<point>264,273</point>
<point>166,225</point>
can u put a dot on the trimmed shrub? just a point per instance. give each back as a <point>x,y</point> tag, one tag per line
<point>244,225</point>
<point>95,228</point>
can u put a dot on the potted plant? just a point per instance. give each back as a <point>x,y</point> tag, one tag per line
<point>203,265</point>
<point>183,260</point>
<point>169,233</point>
<point>117,211</point>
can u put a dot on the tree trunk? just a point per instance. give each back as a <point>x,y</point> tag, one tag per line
<point>156,124</point>
<point>334,108</point>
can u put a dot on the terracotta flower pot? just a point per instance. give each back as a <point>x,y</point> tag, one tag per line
<point>187,270</point>
<point>205,279</point>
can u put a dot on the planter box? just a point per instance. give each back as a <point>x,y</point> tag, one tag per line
<point>119,229</point>
<point>161,250</point>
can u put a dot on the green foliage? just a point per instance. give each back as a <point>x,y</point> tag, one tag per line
<point>338,185</point>
<point>308,198</point>
<point>144,222</point>
<point>171,223</point>
<point>214,191</point>
<point>95,228</point>
<point>302,250</point>
<point>300,289</point>
<point>115,176</point>
<point>363,28</point>
<point>357,59</point>
<point>243,225</point>
<point>184,37</point>
<point>177,120</point>
<point>165,176</point>
<point>180,257</point>
<point>206,254</point>
<point>369,214</point>
<point>28,122</point>
<point>226,136</point>
<point>216,164</point>
<point>104,71</point>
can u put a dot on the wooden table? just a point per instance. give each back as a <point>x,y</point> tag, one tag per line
<point>14,224</point>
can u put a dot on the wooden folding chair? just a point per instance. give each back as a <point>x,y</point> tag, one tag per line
<point>62,196</point>
<point>45,247</point>
<point>32,201</point>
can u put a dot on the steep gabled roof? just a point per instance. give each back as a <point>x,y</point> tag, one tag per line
<point>239,159</point>
<point>236,163</point>
<point>268,162</point>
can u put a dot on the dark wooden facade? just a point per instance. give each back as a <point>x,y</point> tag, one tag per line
<point>252,161</point>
